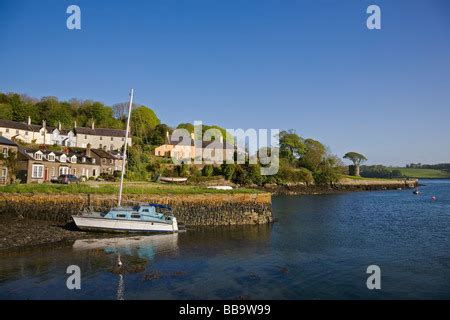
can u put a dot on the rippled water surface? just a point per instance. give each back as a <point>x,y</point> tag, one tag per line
<point>319,248</point>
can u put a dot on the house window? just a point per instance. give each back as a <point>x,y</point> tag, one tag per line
<point>37,171</point>
<point>93,160</point>
<point>26,133</point>
<point>100,146</point>
<point>53,171</point>
<point>111,161</point>
<point>7,130</point>
<point>111,147</point>
<point>38,156</point>
<point>74,171</point>
<point>63,158</point>
<point>63,170</point>
<point>51,157</point>
<point>94,172</point>
<point>101,138</point>
<point>85,137</point>
<point>83,159</point>
<point>4,173</point>
<point>17,131</point>
<point>123,139</point>
<point>5,152</point>
<point>112,138</point>
<point>74,159</point>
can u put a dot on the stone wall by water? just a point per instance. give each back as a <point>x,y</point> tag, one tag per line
<point>192,210</point>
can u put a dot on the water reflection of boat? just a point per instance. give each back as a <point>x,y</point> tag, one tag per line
<point>143,246</point>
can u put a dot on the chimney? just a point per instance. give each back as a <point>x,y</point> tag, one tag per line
<point>88,150</point>
<point>43,124</point>
<point>92,125</point>
<point>59,125</point>
<point>29,120</point>
<point>75,124</point>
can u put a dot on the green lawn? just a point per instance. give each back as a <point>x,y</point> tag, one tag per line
<point>113,188</point>
<point>424,173</point>
<point>361,178</point>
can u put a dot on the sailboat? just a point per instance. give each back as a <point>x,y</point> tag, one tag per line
<point>146,217</point>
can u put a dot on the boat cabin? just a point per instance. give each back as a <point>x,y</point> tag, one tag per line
<point>145,212</point>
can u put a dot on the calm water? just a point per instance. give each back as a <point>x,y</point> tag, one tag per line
<point>319,248</point>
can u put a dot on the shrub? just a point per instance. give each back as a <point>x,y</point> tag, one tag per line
<point>208,170</point>
<point>227,170</point>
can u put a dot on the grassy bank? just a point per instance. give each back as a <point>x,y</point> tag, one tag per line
<point>363,178</point>
<point>424,173</point>
<point>113,188</point>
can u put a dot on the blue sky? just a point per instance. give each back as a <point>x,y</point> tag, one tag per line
<point>308,65</point>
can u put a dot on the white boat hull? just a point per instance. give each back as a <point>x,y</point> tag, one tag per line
<point>120,225</point>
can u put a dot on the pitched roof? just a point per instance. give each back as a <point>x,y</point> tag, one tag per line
<point>101,132</point>
<point>191,142</point>
<point>61,131</point>
<point>27,153</point>
<point>19,125</point>
<point>103,154</point>
<point>7,142</point>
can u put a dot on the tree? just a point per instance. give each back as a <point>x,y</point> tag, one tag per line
<point>20,109</point>
<point>143,120</point>
<point>157,136</point>
<point>120,109</point>
<point>357,159</point>
<point>6,111</point>
<point>287,173</point>
<point>313,155</point>
<point>291,145</point>
<point>99,113</point>
<point>328,171</point>
<point>53,112</point>
<point>10,162</point>
<point>188,126</point>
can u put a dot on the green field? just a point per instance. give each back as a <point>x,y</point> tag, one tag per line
<point>113,188</point>
<point>424,173</point>
<point>363,178</point>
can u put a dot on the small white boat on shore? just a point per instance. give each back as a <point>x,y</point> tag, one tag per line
<point>172,179</point>
<point>221,187</point>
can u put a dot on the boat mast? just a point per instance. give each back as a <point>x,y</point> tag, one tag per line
<point>124,157</point>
